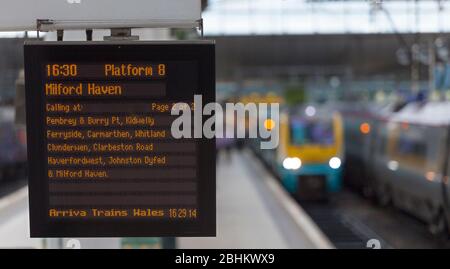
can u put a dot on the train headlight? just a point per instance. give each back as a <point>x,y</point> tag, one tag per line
<point>287,163</point>
<point>296,163</point>
<point>292,163</point>
<point>393,165</point>
<point>310,111</point>
<point>335,163</point>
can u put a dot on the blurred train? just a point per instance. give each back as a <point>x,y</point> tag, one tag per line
<point>13,144</point>
<point>309,158</point>
<point>13,151</point>
<point>362,121</point>
<point>399,155</point>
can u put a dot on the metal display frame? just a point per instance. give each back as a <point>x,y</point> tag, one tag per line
<point>119,29</point>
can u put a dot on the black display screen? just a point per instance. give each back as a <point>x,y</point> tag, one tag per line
<point>102,159</point>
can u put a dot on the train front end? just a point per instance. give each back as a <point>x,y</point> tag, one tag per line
<point>310,153</point>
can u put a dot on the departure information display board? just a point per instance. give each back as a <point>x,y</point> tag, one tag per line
<point>102,158</point>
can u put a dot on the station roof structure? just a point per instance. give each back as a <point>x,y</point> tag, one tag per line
<point>294,17</point>
<point>313,54</point>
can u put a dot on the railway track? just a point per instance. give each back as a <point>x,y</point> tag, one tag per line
<point>343,230</point>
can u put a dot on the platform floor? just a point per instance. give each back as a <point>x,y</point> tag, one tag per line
<point>14,222</point>
<point>249,214</point>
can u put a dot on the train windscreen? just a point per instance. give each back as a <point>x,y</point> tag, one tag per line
<point>311,131</point>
